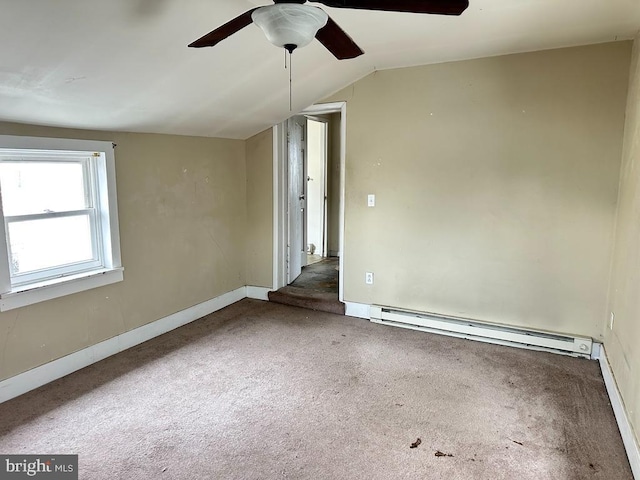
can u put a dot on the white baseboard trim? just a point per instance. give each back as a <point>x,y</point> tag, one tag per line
<point>626,431</point>
<point>358,310</point>
<point>36,377</point>
<point>258,293</point>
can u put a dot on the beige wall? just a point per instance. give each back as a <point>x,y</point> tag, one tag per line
<point>622,343</point>
<point>496,185</point>
<point>182,210</point>
<point>259,200</point>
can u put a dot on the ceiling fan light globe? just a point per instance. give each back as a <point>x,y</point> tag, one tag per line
<point>289,23</point>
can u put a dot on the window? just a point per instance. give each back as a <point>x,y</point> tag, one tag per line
<point>59,218</point>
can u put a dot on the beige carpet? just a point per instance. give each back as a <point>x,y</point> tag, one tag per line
<point>260,390</point>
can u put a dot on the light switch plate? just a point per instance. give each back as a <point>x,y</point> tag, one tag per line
<point>371,200</point>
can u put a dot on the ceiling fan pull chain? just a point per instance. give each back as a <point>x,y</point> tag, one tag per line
<point>290,75</point>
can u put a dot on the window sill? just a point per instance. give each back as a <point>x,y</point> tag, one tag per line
<point>59,287</point>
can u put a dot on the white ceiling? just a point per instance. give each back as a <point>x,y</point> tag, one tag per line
<point>124,64</point>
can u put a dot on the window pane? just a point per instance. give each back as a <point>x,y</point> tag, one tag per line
<point>52,242</point>
<point>39,187</point>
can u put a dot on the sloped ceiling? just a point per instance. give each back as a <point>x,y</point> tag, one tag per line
<point>124,64</point>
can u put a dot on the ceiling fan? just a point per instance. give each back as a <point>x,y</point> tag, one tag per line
<point>292,24</point>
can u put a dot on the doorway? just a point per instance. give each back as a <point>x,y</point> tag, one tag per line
<point>309,158</point>
<point>317,161</point>
<point>310,146</point>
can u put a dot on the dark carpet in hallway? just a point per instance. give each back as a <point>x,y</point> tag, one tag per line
<point>316,288</point>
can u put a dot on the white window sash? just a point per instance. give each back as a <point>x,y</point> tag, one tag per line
<point>90,191</point>
<point>47,215</point>
<point>96,261</point>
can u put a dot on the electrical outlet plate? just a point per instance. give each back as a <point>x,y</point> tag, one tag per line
<point>368,278</point>
<point>611,319</point>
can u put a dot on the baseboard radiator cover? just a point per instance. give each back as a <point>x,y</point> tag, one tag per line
<point>482,331</point>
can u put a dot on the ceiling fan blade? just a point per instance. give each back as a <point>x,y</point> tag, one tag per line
<point>224,31</point>
<point>440,7</point>
<point>337,41</point>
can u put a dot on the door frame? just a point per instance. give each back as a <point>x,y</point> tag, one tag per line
<point>280,194</point>
<point>325,182</point>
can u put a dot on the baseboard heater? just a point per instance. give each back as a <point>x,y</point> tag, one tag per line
<point>481,331</point>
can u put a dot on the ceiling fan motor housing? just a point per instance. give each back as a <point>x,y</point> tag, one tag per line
<point>289,25</point>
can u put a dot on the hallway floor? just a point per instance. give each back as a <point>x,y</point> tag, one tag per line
<point>316,288</point>
<point>321,276</point>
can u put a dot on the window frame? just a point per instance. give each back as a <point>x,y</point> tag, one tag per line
<point>92,212</point>
<point>106,268</point>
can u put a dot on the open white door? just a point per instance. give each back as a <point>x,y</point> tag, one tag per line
<point>297,196</point>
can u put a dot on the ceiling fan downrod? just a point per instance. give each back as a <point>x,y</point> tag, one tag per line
<point>289,48</point>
